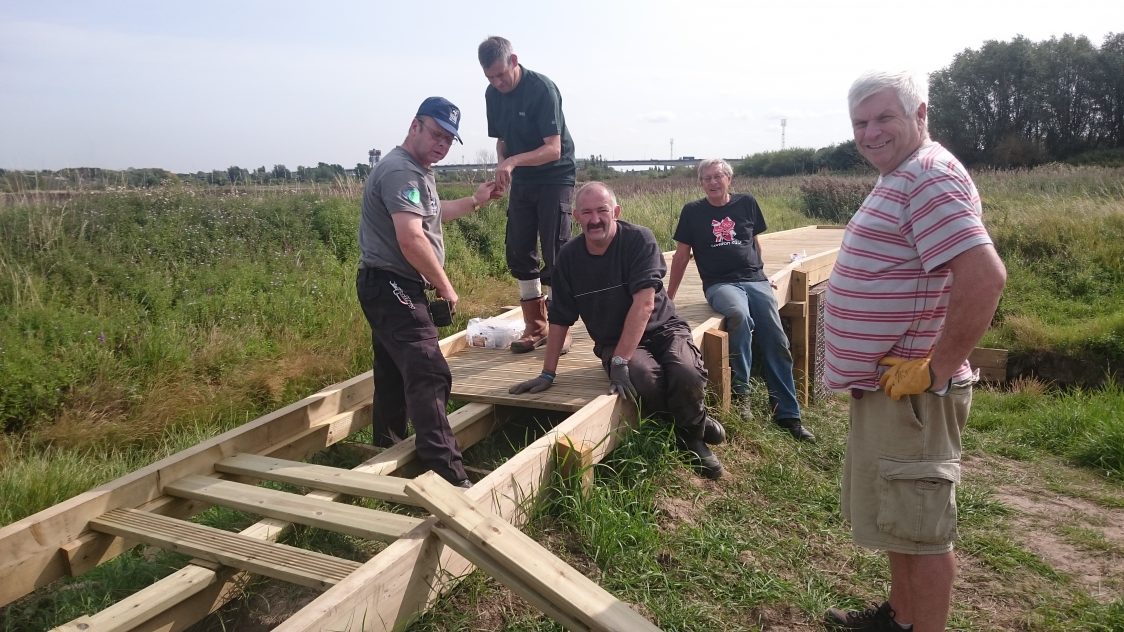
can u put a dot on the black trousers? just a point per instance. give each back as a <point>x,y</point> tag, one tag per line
<point>668,373</point>
<point>537,213</point>
<point>412,378</point>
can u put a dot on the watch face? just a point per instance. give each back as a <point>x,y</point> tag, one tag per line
<point>619,361</point>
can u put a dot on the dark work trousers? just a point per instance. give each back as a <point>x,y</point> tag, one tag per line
<point>667,371</point>
<point>412,378</point>
<point>537,213</point>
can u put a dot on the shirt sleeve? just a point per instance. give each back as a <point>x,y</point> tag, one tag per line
<point>682,231</point>
<point>548,113</point>
<point>646,267</point>
<point>563,310</point>
<point>404,191</point>
<point>759,225</point>
<point>941,219</point>
<point>491,103</point>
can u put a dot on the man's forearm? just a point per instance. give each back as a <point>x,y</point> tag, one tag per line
<point>643,303</point>
<point>977,283</point>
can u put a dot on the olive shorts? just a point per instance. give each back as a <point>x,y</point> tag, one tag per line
<point>902,468</point>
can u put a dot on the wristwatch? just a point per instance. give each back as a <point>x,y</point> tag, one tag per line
<point>618,361</point>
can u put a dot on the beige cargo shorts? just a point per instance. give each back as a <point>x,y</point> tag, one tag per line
<point>902,468</point>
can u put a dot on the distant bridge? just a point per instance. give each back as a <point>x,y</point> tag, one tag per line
<point>684,161</point>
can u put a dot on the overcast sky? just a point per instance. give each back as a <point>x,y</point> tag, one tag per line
<point>204,85</point>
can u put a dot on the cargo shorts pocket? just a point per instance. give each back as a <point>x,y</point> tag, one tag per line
<point>917,500</point>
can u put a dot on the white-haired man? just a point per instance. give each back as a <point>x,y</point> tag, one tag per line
<point>914,288</point>
<point>721,229</point>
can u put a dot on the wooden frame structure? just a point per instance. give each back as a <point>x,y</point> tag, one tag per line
<point>423,558</point>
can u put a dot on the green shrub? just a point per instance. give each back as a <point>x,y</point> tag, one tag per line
<point>833,199</point>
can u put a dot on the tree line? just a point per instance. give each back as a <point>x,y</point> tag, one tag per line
<point>1008,104</point>
<point>95,178</point>
<point>1019,103</point>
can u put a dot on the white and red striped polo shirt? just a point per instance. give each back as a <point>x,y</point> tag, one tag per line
<point>888,294</point>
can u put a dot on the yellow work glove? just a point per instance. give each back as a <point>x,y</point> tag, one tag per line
<point>905,377</point>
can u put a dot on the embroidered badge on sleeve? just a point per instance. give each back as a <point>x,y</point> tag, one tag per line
<point>412,195</point>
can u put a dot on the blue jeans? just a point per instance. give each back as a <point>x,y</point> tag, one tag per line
<point>751,311</point>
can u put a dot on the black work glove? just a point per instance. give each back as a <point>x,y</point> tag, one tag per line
<point>621,382</point>
<point>534,385</point>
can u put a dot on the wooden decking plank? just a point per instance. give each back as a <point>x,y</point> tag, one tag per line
<point>474,554</point>
<point>349,482</point>
<point>279,561</point>
<point>325,514</point>
<point>31,552</point>
<point>563,586</point>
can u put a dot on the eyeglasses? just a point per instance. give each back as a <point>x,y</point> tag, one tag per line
<point>438,136</point>
<point>717,177</point>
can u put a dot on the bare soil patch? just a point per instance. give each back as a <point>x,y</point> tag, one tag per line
<point>1077,537</point>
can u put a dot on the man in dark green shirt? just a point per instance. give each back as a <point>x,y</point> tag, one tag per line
<point>536,167</point>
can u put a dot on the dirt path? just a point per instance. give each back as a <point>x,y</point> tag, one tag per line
<point>1070,519</point>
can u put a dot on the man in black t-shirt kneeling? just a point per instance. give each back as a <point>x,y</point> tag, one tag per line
<point>612,278</point>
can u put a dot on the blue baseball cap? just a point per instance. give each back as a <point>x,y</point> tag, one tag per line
<point>447,115</point>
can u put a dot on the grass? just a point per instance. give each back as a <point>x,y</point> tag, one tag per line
<point>138,323</point>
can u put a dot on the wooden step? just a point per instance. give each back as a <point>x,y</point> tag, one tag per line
<point>325,514</point>
<point>279,561</point>
<point>334,479</point>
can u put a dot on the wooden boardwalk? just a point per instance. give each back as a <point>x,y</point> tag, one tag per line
<point>484,375</point>
<point>426,554</point>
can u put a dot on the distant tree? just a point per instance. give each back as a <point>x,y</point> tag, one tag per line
<point>362,169</point>
<point>778,163</point>
<point>281,172</point>
<point>841,157</point>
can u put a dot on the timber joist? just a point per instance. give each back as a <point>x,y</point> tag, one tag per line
<point>443,533</point>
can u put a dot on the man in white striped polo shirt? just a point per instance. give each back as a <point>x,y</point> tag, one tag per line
<point>914,288</point>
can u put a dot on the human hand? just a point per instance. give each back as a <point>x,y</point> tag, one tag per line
<point>905,377</point>
<point>485,193</point>
<point>621,382</point>
<point>449,294</point>
<point>534,385</point>
<point>503,174</point>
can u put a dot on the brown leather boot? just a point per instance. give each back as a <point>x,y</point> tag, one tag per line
<point>535,327</point>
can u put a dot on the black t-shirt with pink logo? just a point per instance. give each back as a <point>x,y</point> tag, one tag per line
<point>722,239</point>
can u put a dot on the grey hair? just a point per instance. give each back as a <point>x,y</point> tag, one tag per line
<point>492,50</point>
<point>594,184</point>
<point>912,90</point>
<point>720,163</point>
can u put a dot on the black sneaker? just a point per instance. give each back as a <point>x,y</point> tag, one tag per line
<point>706,464</point>
<point>797,430</point>
<point>876,618</point>
<point>464,483</point>
<point>713,432</point>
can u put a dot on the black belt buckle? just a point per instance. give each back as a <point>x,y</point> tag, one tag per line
<point>441,311</point>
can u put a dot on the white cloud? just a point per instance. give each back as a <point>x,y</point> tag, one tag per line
<point>659,116</point>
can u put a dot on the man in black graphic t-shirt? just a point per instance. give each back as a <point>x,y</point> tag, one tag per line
<point>722,231</point>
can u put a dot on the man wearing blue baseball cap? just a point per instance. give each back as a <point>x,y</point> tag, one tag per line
<point>402,251</point>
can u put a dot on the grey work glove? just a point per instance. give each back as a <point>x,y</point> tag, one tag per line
<point>621,382</point>
<point>534,385</point>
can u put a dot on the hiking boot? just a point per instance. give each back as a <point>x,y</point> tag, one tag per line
<point>875,618</point>
<point>742,405</point>
<point>797,430</point>
<point>703,460</point>
<point>713,432</point>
